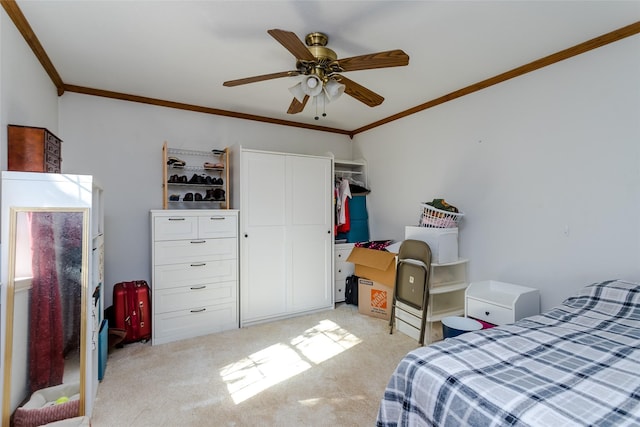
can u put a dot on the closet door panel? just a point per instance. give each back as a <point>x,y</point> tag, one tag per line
<point>263,276</point>
<point>310,189</point>
<point>263,189</point>
<point>310,232</point>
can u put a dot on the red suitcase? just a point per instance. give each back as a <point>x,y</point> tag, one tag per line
<point>132,310</point>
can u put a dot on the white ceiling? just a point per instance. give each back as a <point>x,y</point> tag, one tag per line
<point>183,51</point>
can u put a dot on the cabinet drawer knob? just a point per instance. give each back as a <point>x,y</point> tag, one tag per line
<point>339,271</point>
<point>177,219</point>
<point>486,313</point>
<point>202,264</point>
<point>199,310</point>
<point>216,218</point>
<point>198,241</point>
<point>195,288</point>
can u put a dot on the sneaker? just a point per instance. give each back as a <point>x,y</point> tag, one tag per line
<point>188,197</point>
<point>175,162</point>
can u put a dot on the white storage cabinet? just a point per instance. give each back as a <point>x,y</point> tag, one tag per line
<point>500,303</point>
<point>194,273</point>
<point>342,268</point>
<point>286,241</point>
<point>447,285</point>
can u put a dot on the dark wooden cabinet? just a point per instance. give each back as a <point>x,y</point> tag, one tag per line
<point>33,149</point>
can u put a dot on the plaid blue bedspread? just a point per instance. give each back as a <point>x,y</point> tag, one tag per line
<point>577,364</point>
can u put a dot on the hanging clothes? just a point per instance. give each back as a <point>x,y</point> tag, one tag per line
<point>344,192</point>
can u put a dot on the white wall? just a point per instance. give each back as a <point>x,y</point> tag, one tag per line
<point>120,144</point>
<point>545,166</point>
<point>27,95</point>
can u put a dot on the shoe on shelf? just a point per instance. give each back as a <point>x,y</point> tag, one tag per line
<point>197,179</point>
<point>188,197</point>
<point>183,179</point>
<point>173,179</point>
<point>175,162</point>
<point>198,197</point>
<point>218,194</point>
<point>209,196</point>
<point>174,198</point>
<point>209,165</point>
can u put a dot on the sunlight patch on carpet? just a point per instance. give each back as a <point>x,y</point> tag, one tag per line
<point>259,371</point>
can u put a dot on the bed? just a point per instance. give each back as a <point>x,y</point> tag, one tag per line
<point>577,364</point>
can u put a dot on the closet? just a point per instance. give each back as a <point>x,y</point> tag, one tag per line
<point>285,233</point>
<point>354,171</point>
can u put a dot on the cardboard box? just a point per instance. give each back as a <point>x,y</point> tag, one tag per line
<point>374,298</point>
<point>379,266</point>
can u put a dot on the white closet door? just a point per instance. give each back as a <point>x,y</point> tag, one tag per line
<point>309,219</point>
<point>263,275</point>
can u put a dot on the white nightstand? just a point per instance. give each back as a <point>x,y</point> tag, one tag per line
<point>500,303</point>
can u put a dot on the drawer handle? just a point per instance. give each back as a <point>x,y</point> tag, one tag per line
<point>199,265</point>
<point>339,271</point>
<point>198,241</point>
<point>200,310</point>
<point>216,218</point>
<point>177,219</point>
<point>195,288</point>
<point>486,313</point>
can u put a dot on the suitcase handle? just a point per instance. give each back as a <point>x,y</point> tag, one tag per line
<point>140,311</point>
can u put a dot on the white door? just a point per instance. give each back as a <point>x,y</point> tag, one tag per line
<point>263,245</point>
<point>310,237</point>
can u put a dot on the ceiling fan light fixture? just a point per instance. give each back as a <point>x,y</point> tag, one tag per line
<point>312,85</point>
<point>298,92</point>
<point>333,89</point>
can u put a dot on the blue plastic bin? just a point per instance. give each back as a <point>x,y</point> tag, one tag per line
<point>456,325</point>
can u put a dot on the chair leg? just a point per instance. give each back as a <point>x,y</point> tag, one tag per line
<point>393,313</point>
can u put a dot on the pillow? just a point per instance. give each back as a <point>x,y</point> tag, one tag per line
<point>42,407</point>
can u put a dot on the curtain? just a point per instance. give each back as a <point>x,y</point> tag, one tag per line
<point>46,362</point>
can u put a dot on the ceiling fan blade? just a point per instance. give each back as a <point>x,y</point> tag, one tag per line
<point>390,58</point>
<point>292,43</point>
<point>260,78</point>
<point>361,93</point>
<point>297,106</point>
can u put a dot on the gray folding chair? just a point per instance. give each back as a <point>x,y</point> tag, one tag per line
<point>412,280</point>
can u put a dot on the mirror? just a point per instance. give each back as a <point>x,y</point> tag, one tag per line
<point>45,354</point>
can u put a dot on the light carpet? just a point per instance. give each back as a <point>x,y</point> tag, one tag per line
<point>323,369</point>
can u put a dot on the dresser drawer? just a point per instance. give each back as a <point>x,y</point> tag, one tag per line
<point>181,251</point>
<point>195,296</point>
<point>194,274</point>
<point>490,313</point>
<point>194,322</point>
<point>175,227</point>
<point>342,268</point>
<point>215,226</point>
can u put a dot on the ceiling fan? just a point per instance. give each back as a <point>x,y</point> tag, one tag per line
<point>321,70</point>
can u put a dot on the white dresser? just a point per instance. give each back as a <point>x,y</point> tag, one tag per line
<point>500,303</point>
<point>341,268</point>
<point>194,285</point>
